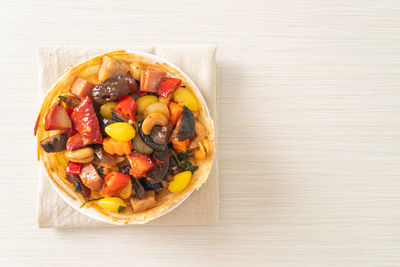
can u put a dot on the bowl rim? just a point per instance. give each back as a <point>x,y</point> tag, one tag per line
<point>90,211</point>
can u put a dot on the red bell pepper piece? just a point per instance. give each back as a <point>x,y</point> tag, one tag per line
<point>127,107</point>
<point>114,182</point>
<point>86,122</point>
<point>140,164</point>
<point>73,167</point>
<point>168,86</point>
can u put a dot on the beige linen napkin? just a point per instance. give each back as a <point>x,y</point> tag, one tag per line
<point>201,208</point>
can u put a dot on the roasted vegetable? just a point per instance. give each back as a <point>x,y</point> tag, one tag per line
<point>105,109</point>
<point>81,87</point>
<point>185,97</point>
<point>137,187</point>
<point>79,186</point>
<point>55,143</point>
<point>111,67</point>
<point>90,177</point>
<point>150,78</point>
<point>114,182</point>
<point>86,122</point>
<point>117,117</point>
<point>135,70</point>
<point>57,118</point>
<point>73,168</point>
<point>140,146</point>
<point>121,131</point>
<point>180,182</point>
<point>160,134</point>
<point>148,141</point>
<point>148,185</point>
<point>140,164</point>
<point>127,107</point>
<point>168,86</point>
<point>180,146</point>
<point>104,159</point>
<point>114,204</point>
<point>185,126</point>
<point>75,142</point>
<point>112,146</point>
<point>112,89</point>
<point>144,101</point>
<point>175,112</point>
<point>161,159</point>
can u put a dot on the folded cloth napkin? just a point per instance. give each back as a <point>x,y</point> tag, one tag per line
<point>198,62</point>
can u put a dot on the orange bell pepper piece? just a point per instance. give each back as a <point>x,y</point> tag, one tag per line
<point>180,146</point>
<point>175,112</point>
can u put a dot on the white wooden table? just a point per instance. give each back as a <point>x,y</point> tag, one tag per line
<point>309,132</point>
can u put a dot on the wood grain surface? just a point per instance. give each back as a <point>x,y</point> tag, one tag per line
<point>309,136</point>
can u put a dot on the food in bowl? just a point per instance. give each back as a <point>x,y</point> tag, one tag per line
<point>128,134</point>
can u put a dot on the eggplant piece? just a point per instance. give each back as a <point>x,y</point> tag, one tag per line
<point>148,141</point>
<point>160,134</point>
<point>116,116</point>
<point>55,143</point>
<point>161,159</point>
<point>79,186</point>
<point>105,159</point>
<point>112,89</point>
<point>131,82</point>
<point>148,186</point>
<point>185,126</point>
<point>138,188</point>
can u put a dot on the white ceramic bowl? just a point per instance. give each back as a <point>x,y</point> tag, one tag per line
<point>90,211</point>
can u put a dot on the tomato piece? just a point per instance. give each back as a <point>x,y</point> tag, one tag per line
<point>114,182</point>
<point>140,164</point>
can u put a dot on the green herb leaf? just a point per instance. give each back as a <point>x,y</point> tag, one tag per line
<point>90,200</point>
<point>62,98</point>
<point>187,166</point>
<point>100,171</point>
<point>121,209</point>
<point>184,155</point>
